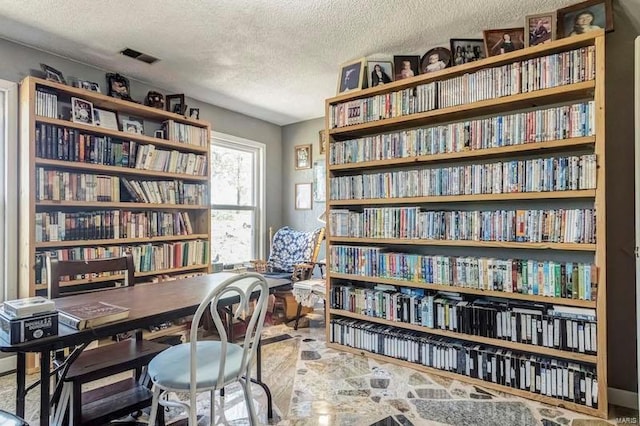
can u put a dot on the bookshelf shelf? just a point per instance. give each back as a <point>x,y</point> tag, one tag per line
<point>507,103</point>
<point>119,205</point>
<point>585,193</point>
<point>111,241</point>
<point>467,290</point>
<point>471,380</point>
<point>123,135</point>
<point>504,151</point>
<point>114,170</point>
<point>554,264</point>
<point>466,243</point>
<point>471,338</point>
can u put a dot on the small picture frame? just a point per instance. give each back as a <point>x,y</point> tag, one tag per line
<point>500,41</point>
<point>175,103</point>
<point>379,72</point>
<point>118,86</point>
<point>303,200</point>
<point>351,76</point>
<point>322,142</point>
<point>159,134</point>
<point>302,157</point>
<point>81,111</point>
<point>133,125</point>
<point>406,66</point>
<point>89,85</point>
<point>105,119</point>
<point>194,113</point>
<point>435,59</point>
<point>52,74</point>
<point>541,28</point>
<point>465,50</point>
<point>590,15</point>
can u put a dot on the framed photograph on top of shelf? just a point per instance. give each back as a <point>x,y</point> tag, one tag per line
<point>322,141</point>
<point>89,85</point>
<point>590,15</point>
<point>302,157</point>
<point>351,76</point>
<point>497,42</point>
<point>406,66</point>
<point>118,86</point>
<point>133,125</point>
<point>52,74</point>
<point>465,50</point>
<point>435,59</point>
<point>303,196</point>
<point>319,180</point>
<point>541,28</point>
<point>379,72</point>
<point>194,113</point>
<point>175,103</point>
<point>105,119</point>
<point>81,111</point>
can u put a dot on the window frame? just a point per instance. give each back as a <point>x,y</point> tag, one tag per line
<point>9,187</point>
<point>259,177</point>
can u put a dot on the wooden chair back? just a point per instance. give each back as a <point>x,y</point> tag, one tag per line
<point>61,268</point>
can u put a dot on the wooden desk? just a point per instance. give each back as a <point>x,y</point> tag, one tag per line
<point>148,304</point>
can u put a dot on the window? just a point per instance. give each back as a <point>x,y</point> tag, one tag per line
<point>9,190</point>
<point>237,199</point>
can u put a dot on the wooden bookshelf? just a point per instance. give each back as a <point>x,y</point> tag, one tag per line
<point>32,120</point>
<point>590,143</point>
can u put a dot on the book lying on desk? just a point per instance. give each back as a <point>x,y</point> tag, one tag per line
<point>22,308</point>
<point>92,314</point>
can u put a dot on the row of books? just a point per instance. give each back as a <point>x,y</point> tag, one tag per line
<point>560,327</point>
<point>62,143</point>
<point>148,157</point>
<point>567,280</point>
<point>56,185</point>
<point>555,225</point>
<point>559,69</point>
<point>147,257</point>
<point>46,104</point>
<point>109,224</point>
<point>556,378</point>
<point>562,122</point>
<point>186,133</point>
<point>535,175</point>
<point>166,192</point>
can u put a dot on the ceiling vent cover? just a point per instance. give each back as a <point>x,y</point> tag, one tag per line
<point>139,56</point>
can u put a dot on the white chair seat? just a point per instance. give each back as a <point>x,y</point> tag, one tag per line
<point>170,369</point>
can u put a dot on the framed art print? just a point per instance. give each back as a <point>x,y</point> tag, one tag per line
<point>303,196</point>
<point>302,157</point>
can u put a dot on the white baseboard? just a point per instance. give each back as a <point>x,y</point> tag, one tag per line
<point>7,364</point>
<point>623,398</point>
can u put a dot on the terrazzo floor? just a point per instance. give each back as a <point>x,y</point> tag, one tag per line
<point>313,385</point>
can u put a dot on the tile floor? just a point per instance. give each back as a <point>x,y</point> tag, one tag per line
<point>313,385</point>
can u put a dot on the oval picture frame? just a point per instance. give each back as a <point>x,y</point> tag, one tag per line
<point>444,57</point>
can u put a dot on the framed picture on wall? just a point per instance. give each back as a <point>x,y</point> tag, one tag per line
<point>303,196</point>
<point>302,157</point>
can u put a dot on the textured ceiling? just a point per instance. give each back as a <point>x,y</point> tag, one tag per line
<point>272,59</point>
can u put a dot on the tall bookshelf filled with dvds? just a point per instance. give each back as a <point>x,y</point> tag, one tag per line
<point>466,232</point>
<point>101,176</point>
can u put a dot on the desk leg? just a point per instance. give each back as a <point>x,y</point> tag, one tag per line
<point>45,382</point>
<point>21,373</point>
<point>258,380</point>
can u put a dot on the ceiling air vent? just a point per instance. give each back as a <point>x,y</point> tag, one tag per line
<point>139,56</point>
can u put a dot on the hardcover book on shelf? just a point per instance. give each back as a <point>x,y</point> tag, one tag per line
<point>92,314</point>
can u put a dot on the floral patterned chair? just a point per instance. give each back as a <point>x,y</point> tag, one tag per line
<point>293,252</point>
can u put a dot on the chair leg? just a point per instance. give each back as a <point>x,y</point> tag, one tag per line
<point>193,408</point>
<point>154,405</point>
<point>212,409</point>
<point>298,312</point>
<point>246,386</point>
